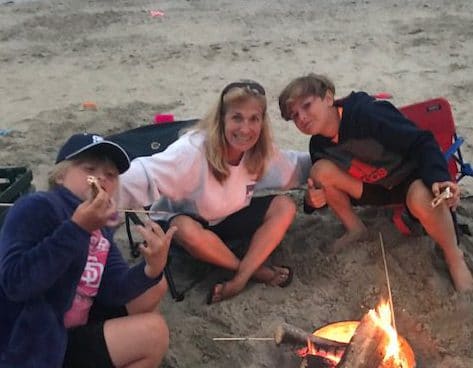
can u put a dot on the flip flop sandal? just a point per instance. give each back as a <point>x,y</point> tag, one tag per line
<point>211,293</point>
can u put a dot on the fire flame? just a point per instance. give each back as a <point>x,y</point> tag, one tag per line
<point>398,352</point>
<point>382,317</point>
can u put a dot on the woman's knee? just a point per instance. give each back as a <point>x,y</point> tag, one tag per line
<point>187,229</point>
<point>282,206</point>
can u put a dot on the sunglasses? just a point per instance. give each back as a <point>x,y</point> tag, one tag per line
<point>253,87</point>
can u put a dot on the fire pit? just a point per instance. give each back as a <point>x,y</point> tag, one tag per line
<point>371,342</point>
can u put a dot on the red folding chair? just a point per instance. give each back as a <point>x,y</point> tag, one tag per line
<point>436,115</point>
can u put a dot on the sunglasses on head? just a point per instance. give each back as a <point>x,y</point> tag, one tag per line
<point>251,86</point>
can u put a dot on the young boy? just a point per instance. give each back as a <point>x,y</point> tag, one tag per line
<point>67,296</point>
<point>365,151</point>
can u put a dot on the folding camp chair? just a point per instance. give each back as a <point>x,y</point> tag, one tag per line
<point>145,141</point>
<point>14,182</point>
<point>436,116</point>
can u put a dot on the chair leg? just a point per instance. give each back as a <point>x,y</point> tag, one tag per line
<point>177,296</point>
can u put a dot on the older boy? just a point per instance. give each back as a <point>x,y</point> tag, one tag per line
<point>365,151</point>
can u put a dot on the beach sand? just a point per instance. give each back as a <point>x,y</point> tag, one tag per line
<point>55,55</point>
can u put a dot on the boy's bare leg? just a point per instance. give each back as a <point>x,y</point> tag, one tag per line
<point>339,187</point>
<point>438,223</point>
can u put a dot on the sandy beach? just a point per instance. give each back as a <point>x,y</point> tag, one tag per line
<point>56,55</point>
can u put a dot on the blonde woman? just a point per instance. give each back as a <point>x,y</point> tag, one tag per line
<point>205,182</point>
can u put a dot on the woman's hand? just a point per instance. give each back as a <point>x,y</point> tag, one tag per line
<point>454,200</point>
<point>155,247</point>
<point>314,196</point>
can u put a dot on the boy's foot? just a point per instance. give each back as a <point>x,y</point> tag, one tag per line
<point>348,238</point>
<point>461,274</point>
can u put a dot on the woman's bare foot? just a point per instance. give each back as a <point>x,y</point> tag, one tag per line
<point>271,275</point>
<point>348,238</point>
<point>274,275</point>
<point>223,290</point>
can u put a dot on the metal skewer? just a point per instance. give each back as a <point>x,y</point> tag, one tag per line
<point>243,338</point>
<point>391,305</point>
<point>150,212</point>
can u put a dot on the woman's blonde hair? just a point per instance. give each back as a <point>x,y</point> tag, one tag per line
<point>213,125</point>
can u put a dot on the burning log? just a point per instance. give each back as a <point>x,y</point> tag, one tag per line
<point>367,347</point>
<point>289,334</point>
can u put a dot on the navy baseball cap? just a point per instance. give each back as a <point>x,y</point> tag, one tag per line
<point>89,142</point>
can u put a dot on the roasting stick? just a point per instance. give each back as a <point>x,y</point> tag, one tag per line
<point>149,212</point>
<point>391,305</point>
<point>243,338</point>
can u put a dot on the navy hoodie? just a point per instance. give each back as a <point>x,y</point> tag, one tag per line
<point>378,145</point>
<point>42,257</point>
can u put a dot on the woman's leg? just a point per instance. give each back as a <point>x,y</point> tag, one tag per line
<point>339,187</point>
<point>438,223</point>
<point>137,341</point>
<point>278,218</point>
<point>205,245</point>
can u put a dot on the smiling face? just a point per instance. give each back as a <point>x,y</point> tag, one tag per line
<point>312,114</point>
<point>243,122</point>
<point>75,177</point>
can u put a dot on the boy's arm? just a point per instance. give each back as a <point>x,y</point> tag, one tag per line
<point>36,248</point>
<point>382,121</point>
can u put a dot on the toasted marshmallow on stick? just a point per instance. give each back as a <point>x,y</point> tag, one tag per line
<point>94,184</point>
<point>446,194</point>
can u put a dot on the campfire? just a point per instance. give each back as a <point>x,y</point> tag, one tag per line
<point>371,342</point>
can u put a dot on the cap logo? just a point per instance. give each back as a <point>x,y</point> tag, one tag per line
<point>97,138</point>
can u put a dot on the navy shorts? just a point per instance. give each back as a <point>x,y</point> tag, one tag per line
<point>377,195</point>
<point>239,225</point>
<point>86,346</point>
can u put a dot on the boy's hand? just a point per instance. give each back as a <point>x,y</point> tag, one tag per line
<point>155,247</point>
<point>454,200</point>
<point>94,213</point>
<point>315,196</point>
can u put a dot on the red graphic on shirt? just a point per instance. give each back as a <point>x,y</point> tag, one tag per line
<point>365,172</point>
<point>89,282</point>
